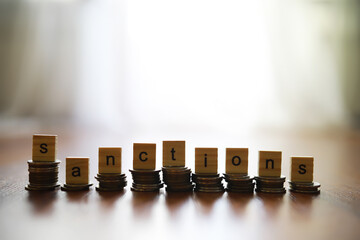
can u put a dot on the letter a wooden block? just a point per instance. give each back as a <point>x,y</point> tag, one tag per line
<point>77,170</point>
<point>109,159</point>
<point>302,169</point>
<point>270,163</point>
<point>237,160</point>
<point>144,156</point>
<point>44,148</point>
<point>206,160</point>
<point>174,153</point>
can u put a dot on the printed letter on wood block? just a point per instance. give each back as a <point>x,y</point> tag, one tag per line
<point>77,170</point>
<point>237,160</point>
<point>144,156</point>
<point>302,169</point>
<point>270,163</point>
<point>206,160</point>
<point>109,159</point>
<point>173,153</point>
<point>44,148</point>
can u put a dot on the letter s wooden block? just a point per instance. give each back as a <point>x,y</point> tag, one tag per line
<point>206,160</point>
<point>44,148</point>
<point>109,159</point>
<point>270,163</point>
<point>77,170</point>
<point>144,156</point>
<point>302,169</point>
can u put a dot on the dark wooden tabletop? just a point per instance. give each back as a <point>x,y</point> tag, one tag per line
<point>333,214</point>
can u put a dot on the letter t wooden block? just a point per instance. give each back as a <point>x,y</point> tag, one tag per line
<point>174,153</point>
<point>144,156</point>
<point>109,159</point>
<point>206,160</point>
<point>44,148</point>
<point>270,163</point>
<point>77,170</point>
<point>302,169</point>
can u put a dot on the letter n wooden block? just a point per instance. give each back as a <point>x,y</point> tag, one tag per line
<point>173,153</point>
<point>144,156</point>
<point>237,160</point>
<point>302,169</point>
<point>109,159</point>
<point>270,163</point>
<point>77,170</point>
<point>206,160</point>
<point>44,148</point>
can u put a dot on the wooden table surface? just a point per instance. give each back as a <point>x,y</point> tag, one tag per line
<point>333,214</point>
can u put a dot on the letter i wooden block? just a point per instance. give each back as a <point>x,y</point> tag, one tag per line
<point>237,160</point>
<point>144,156</point>
<point>77,170</point>
<point>302,169</point>
<point>109,160</point>
<point>269,163</point>
<point>44,148</point>
<point>174,153</point>
<point>206,160</point>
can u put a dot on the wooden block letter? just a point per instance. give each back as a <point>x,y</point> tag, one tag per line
<point>109,159</point>
<point>77,170</point>
<point>302,169</point>
<point>44,148</point>
<point>270,163</point>
<point>237,160</point>
<point>144,156</point>
<point>206,160</point>
<point>173,153</point>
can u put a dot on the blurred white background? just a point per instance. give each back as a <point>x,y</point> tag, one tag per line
<point>217,66</point>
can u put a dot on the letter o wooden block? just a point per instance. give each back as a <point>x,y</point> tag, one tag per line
<point>109,159</point>
<point>144,156</point>
<point>77,170</point>
<point>237,160</point>
<point>302,169</point>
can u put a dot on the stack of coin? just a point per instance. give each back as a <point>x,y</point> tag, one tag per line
<point>177,179</point>
<point>110,182</point>
<point>270,184</point>
<point>208,182</point>
<point>43,175</point>
<point>305,187</point>
<point>239,183</point>
<point>146,180</point>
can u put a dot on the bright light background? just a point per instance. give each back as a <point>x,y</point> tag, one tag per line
<point>184,65</point>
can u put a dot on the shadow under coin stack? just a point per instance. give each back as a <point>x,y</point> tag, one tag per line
<point>43,175</point>
<point>302,171</point>
<point>146,180</point>
<point>208,183</point>
<point>270,184</point>
<point>43,168</point>
<point>177,179</point>
<point>239,183</point>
